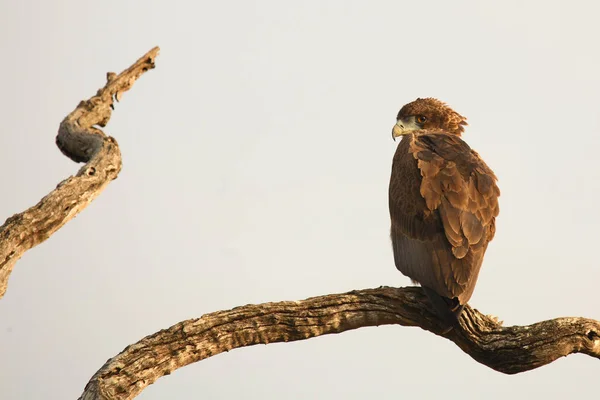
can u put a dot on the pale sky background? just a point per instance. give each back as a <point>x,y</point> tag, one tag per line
<point>256,164</point>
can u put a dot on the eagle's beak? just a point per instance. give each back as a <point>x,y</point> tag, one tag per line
<point>398,130</point>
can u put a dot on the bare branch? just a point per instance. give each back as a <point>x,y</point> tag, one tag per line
<point>80,140</point>
<point>506,349</point>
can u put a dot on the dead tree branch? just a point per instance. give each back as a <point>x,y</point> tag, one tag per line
<point>506,349</point>
<point>80,140</point>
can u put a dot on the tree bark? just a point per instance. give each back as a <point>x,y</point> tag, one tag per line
<point>506,349</point>
<point>80,140</point>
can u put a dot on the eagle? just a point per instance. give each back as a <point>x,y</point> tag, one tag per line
<point>443,202</point>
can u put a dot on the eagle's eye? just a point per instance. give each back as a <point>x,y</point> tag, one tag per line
<point>421,119</point>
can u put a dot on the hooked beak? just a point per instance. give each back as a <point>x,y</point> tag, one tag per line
<point>398,130</point>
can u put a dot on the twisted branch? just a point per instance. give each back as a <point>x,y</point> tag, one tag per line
<point>80,140</point>
<point>506,349</point>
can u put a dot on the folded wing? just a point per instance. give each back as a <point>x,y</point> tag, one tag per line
<point>443,207</point>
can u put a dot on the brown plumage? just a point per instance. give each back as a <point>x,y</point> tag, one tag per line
<point>443,203</point>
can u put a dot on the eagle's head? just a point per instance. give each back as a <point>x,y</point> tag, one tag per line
<point>428,114</point>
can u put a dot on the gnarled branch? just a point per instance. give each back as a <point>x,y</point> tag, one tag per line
<point>506,349</point>
<point>80,140</point>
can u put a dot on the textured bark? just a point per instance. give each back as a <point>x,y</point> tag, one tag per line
<point>79,140</point>
<point>506,349</point>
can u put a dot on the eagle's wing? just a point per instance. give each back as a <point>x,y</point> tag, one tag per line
<point>460,198</point>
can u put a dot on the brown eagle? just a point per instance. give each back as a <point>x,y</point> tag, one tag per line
<point>443,204</point>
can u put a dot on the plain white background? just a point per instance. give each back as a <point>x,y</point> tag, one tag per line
<point>256,163</point>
